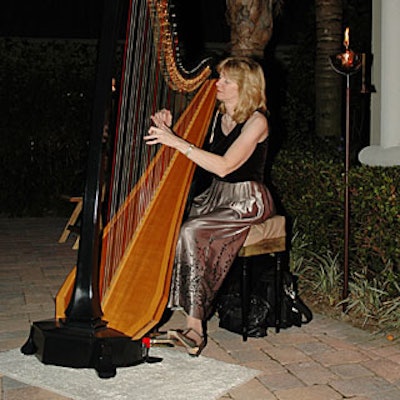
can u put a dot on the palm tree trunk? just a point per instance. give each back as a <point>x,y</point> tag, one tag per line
<point>251,23</point>
<point>328,84</point>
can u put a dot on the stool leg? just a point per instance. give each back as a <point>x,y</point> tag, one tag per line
<point>278,291</point>
<point>245,298</point>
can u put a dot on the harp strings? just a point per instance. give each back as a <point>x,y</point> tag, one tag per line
<point>123,143</point>
<point>137,168</point>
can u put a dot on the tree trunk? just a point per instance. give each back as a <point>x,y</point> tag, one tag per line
<point>251,23</point>
<point>328,84</point>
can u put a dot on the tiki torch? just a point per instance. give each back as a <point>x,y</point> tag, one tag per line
<point>346,63</point>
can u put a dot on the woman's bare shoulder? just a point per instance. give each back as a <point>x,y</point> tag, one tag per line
<point>257,121</point>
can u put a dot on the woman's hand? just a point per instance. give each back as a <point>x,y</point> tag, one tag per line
<point>162,136</point>
<point>162,133</point>
<point>162,118</point>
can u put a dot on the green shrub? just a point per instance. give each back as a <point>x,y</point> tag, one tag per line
<point>311,188</point>
<point>375,217</point>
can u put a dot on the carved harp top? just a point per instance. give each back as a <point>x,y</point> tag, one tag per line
<point>147,187</point>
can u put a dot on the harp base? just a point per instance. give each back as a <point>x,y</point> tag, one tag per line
<point>103,349</point>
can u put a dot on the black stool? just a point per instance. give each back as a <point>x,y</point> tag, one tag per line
<point>268,237</point>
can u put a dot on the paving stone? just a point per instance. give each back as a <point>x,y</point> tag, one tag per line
<point>32,308</point>
<point>213,350</point>
<point>388,395</point>
<point>247,355</point>
<point>314,347</point>
<point>292,337</point>
<point>338,328</point>
<point>395,358</point>
<point>312,373</point>
<point>52,272</point>
<point>351,371</point>
<point>339,357</point>
<point>11,325</point>
<point>287,354</point>
<point>12,315</point>
<point>387,369</point>
<point>12,297</point>
<point>12,335</point>
<point>317,392</point>
<point>12,343</point>
<point>267,367</point>
<point>253,390</point>
<point>285,380</point>
<point>373,386</point>
<point>337,343</point>
<point>386,351</point>
<point>236,345</point>
<point>38,298</point>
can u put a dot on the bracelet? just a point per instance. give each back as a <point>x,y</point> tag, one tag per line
<point>189,149</point>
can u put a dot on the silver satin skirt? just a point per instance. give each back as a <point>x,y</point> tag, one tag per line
<point>210,239</point>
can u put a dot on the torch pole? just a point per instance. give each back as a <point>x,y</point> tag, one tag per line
<point>347,195</point>
<point>346,63</point>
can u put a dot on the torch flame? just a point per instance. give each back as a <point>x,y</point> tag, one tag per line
<point>346,41</point>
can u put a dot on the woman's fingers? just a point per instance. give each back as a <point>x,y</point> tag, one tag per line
<point>154,135</point>
<point>157,120</point>
<point>162,118</point>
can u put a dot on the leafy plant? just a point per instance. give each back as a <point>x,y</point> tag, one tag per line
<point>375,299</point>
<point>365,299</point>
<point>328,276</point>
<point>298,249</point>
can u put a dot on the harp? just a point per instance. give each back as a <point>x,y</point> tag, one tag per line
<point>119,288</point>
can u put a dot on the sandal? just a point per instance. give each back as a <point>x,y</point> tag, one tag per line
<point>192,347</point>
<point>163,342</point>
<point>159,339</point>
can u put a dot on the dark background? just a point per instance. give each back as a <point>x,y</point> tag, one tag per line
<point>199,22</point>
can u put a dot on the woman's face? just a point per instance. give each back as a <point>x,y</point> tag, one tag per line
<point>227,89</point>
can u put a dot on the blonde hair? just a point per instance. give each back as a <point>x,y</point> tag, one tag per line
<point>249,77</point>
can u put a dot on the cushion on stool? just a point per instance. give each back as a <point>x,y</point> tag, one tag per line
<point>267,237</point>
<point>271,228</point>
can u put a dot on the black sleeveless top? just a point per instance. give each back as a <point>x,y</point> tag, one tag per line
<point>253,168</point>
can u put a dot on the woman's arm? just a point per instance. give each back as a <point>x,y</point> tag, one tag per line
<point>254,131</point>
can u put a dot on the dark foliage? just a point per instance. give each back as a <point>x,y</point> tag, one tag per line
<point>46,96</point>
<point>311,186</point>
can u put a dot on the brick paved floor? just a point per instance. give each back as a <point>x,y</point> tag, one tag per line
<point>325,360</point>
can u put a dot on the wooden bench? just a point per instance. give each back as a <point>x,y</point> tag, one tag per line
<point>71,226</point>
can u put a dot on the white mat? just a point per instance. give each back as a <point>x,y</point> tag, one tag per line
<point>176,377</point>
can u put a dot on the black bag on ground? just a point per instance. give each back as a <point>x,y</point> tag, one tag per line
<point>293,310</point>
<point>230,314</point>
<point>262,307</point>
<point>261,304</point>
